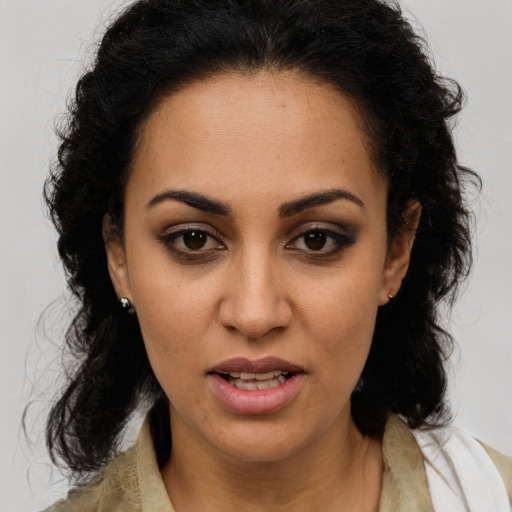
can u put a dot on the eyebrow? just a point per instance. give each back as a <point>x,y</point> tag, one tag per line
<point>318,199</point>
<point>198,201</point>
<point>288,209</point>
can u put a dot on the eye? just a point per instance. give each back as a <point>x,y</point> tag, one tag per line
<point>322,241</point>
<point>194,240</point>
<point>316,240</point>
<point>191,241</point>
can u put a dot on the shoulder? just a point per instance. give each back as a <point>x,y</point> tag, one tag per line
<point>504,465</point>
<point>116,489</point>
<point>442,469</point>
<point>461,469</point>
<point>130,483</point>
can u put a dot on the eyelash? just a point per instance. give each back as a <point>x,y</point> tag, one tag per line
<point>168,241</point>
<point>340,241</point>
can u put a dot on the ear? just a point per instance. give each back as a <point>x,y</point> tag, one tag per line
<point>116,259</point>
<point>399,254</point>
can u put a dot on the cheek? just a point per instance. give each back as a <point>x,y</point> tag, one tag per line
<point>166,295</point>
<point>172,319</point>
<point>171,336</point>
<point>346,304</point>
<point>175,309</point>
<point>339,314</point>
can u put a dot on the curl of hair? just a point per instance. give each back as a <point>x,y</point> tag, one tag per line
<point>367,51</point>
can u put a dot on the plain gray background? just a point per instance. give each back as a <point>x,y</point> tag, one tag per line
<point>43,45</point>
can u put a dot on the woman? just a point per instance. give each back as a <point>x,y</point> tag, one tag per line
<point>260,210</point>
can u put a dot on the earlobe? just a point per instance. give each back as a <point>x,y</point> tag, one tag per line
<point>399,254</point>
<point>116,260</point>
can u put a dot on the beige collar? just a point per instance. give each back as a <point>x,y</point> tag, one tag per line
<point>404,486</point>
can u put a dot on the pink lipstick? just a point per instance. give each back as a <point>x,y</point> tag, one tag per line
<point>250,387</point>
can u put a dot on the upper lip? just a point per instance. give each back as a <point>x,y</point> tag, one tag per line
<point>266,364</point>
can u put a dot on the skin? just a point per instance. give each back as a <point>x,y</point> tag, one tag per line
<point>256,289</point>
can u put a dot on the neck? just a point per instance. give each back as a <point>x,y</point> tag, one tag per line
<point>340,471</point>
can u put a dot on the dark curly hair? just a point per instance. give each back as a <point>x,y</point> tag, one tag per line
<point>368,52</point>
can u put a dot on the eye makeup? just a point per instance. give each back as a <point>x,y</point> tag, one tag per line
<point>192,242</point>
<point>318,242</point>
<point>321,242</point>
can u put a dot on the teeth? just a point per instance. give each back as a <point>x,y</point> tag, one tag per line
<point>266,376</point>
<point>256,376</point>
<point>258,385</point>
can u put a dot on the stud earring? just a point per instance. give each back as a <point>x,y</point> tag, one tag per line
<point>390,297</point>
<point>125,303</point>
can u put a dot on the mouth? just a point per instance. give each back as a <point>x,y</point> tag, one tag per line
<point>256,387</point>
<point>252,381</point>
<point>254,375</point>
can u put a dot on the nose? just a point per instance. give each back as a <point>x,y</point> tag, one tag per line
<point>255,303</point>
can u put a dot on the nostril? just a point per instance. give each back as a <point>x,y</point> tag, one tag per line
<point>254,313</point>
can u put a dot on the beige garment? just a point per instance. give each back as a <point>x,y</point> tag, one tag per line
<point>132,481</point>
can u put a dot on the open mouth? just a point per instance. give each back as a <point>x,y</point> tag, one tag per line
<point>252,387</point>
<point>249,381</point>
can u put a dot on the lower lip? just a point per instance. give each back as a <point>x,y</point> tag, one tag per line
<point>263,401</point>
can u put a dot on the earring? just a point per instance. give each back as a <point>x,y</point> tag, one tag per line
<point>390,297</point>
<point>125,303</point>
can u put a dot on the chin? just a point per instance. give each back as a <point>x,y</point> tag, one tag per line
<point>259,443</point>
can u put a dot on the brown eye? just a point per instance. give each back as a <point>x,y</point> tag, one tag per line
<point>315,240</point>
<point>195,240</point>
<point>192,242</point>
<point>320,242</point>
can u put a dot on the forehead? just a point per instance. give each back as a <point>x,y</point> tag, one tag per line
<point>274,134</point>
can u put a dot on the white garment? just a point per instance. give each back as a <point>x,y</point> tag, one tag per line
<point>461,476</point>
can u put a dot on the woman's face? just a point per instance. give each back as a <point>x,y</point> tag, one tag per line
<point>256,257</point>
